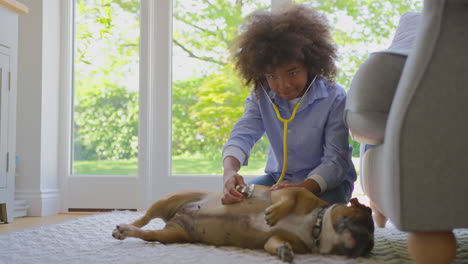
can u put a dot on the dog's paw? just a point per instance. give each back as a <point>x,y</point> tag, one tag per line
<point>121,231</point>
<point>117,235</point>
<point>272,215</point>
<point>285,253</point>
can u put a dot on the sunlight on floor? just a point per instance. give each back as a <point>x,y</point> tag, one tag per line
<point>21,223</point>
<point>358,192</point>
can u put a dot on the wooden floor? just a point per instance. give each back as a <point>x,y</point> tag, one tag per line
<point>35,221</point>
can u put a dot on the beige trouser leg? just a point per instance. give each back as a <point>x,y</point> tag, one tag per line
<point>379,218</point>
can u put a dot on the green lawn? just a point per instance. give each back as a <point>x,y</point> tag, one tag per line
<point>180,165</point>
<point>105,167</point>
<point>183,165</point>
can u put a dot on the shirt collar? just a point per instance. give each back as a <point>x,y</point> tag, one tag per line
<point>317,91</point>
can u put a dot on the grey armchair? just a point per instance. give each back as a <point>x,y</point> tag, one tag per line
<point>411,102</point>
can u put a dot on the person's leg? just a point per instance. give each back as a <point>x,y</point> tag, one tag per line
<point>340,194</point>
<point>266,180</point>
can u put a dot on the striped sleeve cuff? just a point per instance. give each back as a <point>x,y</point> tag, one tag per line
<point>321,182</point>
<point>235,152</point>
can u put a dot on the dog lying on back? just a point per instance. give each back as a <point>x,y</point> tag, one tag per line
<point>282,222</point>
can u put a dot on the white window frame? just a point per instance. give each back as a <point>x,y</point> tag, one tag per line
<point>66,77</point>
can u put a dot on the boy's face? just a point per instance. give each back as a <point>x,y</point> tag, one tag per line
<point>288,81</point>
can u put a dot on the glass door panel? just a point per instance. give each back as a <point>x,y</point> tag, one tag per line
<point>207,95</point>
<point>105,90</point>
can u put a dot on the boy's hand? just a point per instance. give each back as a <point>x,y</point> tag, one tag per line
<point>309,184</point>
<point>231,195</point>
<point>281,185</point>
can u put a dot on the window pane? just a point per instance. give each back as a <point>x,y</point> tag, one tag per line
<point>105,89</point>
<point>207,95</point>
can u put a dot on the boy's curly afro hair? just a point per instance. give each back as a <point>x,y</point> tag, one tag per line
<point>268,40</point>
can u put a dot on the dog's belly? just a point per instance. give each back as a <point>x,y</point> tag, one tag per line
<point>233,230</point>
<point>248,230</point>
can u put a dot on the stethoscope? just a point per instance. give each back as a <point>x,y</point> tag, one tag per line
<point>285,125</point>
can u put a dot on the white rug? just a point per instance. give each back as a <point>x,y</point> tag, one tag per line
<point>88,240</point>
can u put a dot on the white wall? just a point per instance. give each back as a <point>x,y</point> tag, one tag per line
<point>37,107</point>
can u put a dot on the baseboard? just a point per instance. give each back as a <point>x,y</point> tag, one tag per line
<point>41,203</point>
<point>20,208</point>
<point>103,210</point>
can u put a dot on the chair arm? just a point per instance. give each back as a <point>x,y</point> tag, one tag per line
<point>371,94</point>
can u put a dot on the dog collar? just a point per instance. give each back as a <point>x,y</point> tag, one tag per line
<point>317,228</point>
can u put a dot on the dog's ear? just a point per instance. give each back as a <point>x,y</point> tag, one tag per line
<point>355,203</point>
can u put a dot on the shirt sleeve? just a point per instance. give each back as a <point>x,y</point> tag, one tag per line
<point>235,152</point>
<point>248,129</point>
<point>334,165</point>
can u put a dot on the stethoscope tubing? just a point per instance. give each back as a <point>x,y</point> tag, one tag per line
<point>285,125</point>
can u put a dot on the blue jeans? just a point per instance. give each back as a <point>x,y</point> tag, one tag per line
<point>340,194</point>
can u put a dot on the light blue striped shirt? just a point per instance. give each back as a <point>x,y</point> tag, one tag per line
<point>317,137</point>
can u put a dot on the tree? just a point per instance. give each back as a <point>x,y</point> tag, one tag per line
<point>106,121</point>
<point>204,29</point>
<point>184,127</point>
